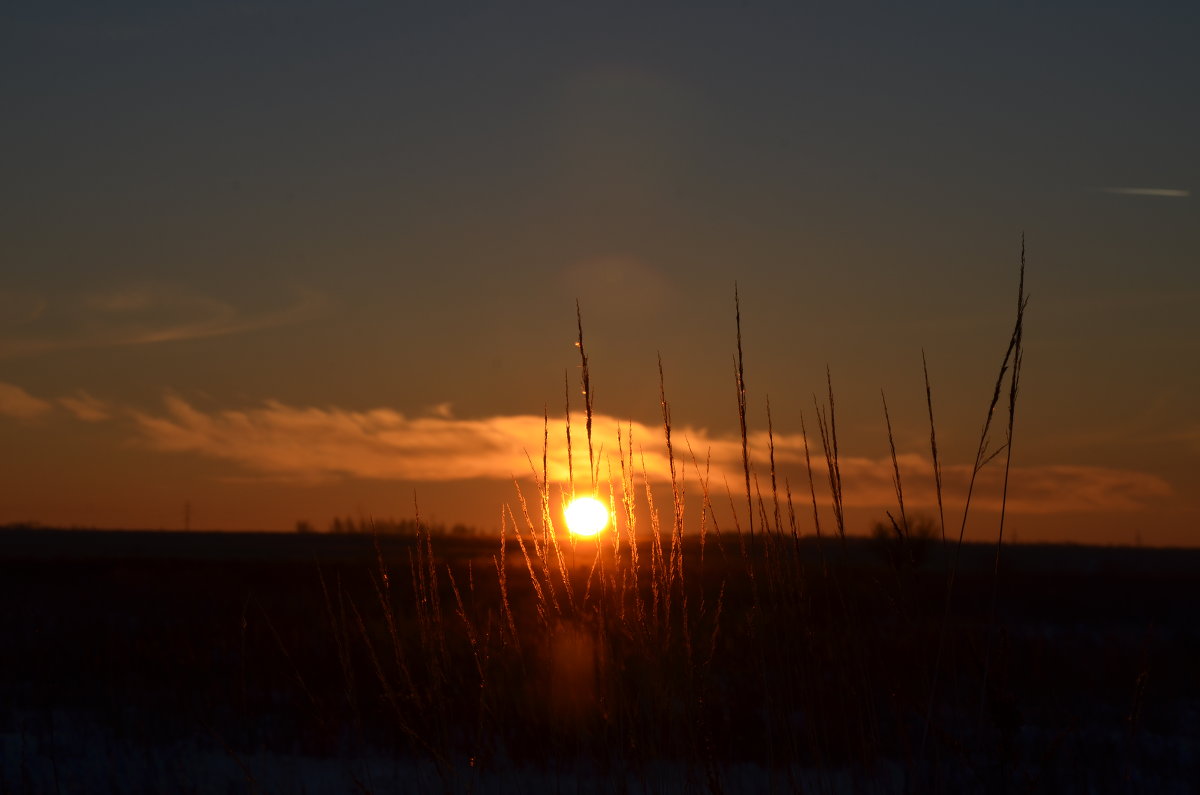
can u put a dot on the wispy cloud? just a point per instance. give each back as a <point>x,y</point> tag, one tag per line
<point>1166,193</point>
<point>86,407</point>
<point>19,308</point>
<point>319,444</point>
<point>313,444</point>
<point>307,444</point>
<point>15,402</point>
<point>145,315</point>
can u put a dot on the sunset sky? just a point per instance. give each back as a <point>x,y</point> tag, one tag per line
<point>289,260</point>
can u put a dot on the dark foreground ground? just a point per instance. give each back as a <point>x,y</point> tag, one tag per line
<point>143,662</point>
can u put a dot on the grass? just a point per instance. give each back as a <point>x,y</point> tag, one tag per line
<point>681,651</point>
<point>162,662</point>
<point>645,648</point>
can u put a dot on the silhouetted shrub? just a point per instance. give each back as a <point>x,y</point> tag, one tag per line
<point>905,545</point>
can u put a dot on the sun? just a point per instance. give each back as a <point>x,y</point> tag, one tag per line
<point>586,516</point>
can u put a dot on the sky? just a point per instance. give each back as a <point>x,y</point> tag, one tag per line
<point>297,260</point>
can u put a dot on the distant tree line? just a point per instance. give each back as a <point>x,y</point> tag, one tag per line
<point>349,525</point>
<point>26,526</point>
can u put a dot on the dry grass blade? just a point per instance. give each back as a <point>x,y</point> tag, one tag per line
<point>1018,353</point>
<point>675,567</point>
<point>827,426</point>
<point>541,602</point>
<point>933,449</point>
<point>812,490</point>
<point>740,382</point>
<point>903,529</point>
<point>502,579</point>
<point>585,378</point>
<point>771,452</point>
<point>570,455</point>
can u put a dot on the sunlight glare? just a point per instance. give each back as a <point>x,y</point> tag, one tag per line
<point>586,516</point>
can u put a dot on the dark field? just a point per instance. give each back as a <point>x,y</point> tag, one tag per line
<point>156,662</point>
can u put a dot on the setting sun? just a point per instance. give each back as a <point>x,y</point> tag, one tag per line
<point>586,516</point>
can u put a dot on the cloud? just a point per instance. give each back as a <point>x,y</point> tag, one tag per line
<point>19,404</point>
<point>146,315</point>
<point>284,442</point>
<point>1064,488</point>
<point>1168,193</point>
<point>319,444</point>
<point>1042,489</point>
<point>308,444</point>
<point>19,308</point>
<point>443,410</point>
<point>86,408</point>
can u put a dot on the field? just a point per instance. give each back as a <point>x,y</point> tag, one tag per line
<point>153,662</point>
<point>671,653</point>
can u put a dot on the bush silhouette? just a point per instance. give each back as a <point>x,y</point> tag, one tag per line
<point>905,545</point>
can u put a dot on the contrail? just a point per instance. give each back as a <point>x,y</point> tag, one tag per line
<point>1172,193</point>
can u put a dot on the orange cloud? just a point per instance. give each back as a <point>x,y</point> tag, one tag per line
<point>307,444</point>
<point>86,408</point>
<point>19,404</point>
<point>1031,489</point>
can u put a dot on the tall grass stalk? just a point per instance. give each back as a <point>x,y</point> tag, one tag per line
<point>628,652</point>
<point>1010,361</point>
<point>1018,355</point>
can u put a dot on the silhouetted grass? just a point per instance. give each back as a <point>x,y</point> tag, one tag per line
<point>632,650</point>
<point>669,654</point>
